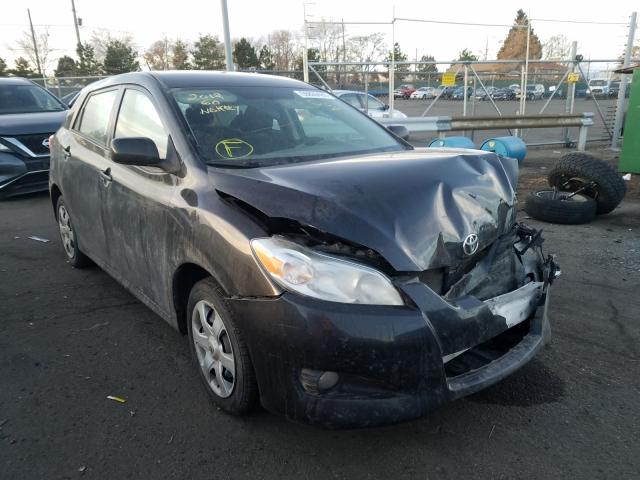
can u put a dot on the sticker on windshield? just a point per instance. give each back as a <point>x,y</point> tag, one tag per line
<point>233,148</point>
<point>312,94</point>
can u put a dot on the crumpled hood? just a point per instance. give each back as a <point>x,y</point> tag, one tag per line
<point>415,208</point>
<point>28,123</point>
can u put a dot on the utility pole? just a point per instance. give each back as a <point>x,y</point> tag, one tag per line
<point>75,22</point>
<point>35,45</point>
<point>305,50</point>
<point>228,56</point>
<point>617,123</point>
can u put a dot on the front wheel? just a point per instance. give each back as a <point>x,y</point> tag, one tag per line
<point>219,351</point>
<point>69,237</point>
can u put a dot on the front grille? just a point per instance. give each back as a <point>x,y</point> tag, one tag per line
<point>34,142</point>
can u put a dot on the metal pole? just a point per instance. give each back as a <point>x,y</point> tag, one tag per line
<point>305,50</point>
<point>464,90</point>
<point>473,104</point>
<point>35,46</point>
<point>571,89</point>
<point>366,90</point>
<point>617,124</point>
<point>75,22</point>
<point>392,66</point>
<point>228,56</point>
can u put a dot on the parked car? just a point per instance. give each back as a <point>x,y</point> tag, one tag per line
<point>481,94</point>
<point>404,91</point>
<point>533,92</point>
<point>597,88</point>
<point>515,88</point>
<point>445,92</point>
<point>424,93</point>
<point>29,115</point>
<point>296,243</point>
<point>503,94</point>
<point>459,93</point>
<point>376,109</point>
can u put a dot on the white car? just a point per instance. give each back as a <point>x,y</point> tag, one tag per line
<point>424,93</point>
<point>376,109</point>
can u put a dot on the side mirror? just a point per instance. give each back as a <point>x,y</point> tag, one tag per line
<point>140,151</point>
<point>399,131</point>
<point>386,107</point>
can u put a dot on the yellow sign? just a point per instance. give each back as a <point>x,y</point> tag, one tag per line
<point>573,78</point>
<point>448,79</point>
<point>233,148</point>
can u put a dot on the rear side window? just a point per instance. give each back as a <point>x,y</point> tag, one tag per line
<point>351,99</point>
<point>96,113</point>
<point>139,118</point>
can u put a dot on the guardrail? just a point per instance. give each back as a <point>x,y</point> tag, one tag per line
<point>442,125</point>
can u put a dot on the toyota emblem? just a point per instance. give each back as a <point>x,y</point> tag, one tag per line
<point>470,244</point>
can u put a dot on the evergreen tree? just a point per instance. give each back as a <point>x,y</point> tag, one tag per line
<point>180,58</point>
<point>3,67</point>
<point>244,55</point>
<point>23,68</point>
<point>87,62</point>
<point>467,55</point>
<point>515,45</point>
<point>428,67</point>
<point>67,67</point>
<point>207,53</point>
<point>265,59</point>
<point>120,58</point>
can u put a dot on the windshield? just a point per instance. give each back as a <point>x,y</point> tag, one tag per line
<point>27,99</point>
<point>249,126</point>
<point>597,83</point>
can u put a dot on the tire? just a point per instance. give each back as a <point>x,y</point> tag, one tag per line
<point>69,237</point>
<point>578,169</point>
<point>231,385</point>
<point>554,207</point>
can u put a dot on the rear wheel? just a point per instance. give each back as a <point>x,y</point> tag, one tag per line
<point>219,351</point>
<point>560,207</point>
<point>69,237</point>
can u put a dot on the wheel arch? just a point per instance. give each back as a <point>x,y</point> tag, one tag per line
<point>184,278</point>
<point>55,194</point>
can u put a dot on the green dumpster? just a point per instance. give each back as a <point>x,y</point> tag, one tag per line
<point>630,156</point>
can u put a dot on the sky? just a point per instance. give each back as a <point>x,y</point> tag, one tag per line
<point>149,21</point>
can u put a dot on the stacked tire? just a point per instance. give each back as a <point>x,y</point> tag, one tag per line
<point>582,186</point>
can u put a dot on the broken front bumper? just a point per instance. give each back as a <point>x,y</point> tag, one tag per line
<point>393,363</point>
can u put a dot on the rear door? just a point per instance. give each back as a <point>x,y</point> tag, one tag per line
<point>138,203</point>
<point>85,170</point>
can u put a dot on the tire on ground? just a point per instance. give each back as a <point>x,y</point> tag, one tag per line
<point>244,396</point>
<point>77,258</point>
<point>609,185</point>
<point>554,207</point>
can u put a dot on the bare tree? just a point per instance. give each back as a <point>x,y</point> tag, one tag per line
<point>102,37</point>
<point>158,55</point>
<point>558,47</point>
<point>283,46</point>
<point>26,48</point>
<point>367,48</point>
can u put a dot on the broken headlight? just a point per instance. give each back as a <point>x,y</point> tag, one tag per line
<point>302,270</point>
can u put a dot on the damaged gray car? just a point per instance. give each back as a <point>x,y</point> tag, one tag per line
<point>319,264</point>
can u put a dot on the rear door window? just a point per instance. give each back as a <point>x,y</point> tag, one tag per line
<point>139,118</point>
<point>94,122</point>
<point>351,99</point>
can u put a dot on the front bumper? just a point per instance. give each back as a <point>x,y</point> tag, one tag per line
<point>391,360</point>
<point>21,175</point>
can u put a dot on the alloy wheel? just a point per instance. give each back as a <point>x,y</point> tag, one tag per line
<point>66,232</point>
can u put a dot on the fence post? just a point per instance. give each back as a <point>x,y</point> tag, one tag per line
<point>571,89</point>
<point>617,123</point>
<point>464,90</point>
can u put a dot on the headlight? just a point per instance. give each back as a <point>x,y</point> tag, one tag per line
<point>587,91</point>
<point>304,271</point>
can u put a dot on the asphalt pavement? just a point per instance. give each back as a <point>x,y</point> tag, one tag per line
<point>69,338</point>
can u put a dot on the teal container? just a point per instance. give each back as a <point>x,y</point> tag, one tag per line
<point>512,147</point>
<point>452,142</point>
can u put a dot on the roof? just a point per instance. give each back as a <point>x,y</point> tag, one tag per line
<point>15,81</point>
<point>206,78</point>
<point>628,69</point>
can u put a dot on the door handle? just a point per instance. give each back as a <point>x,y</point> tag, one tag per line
<point>67,151</point>
<point>106,176</point>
